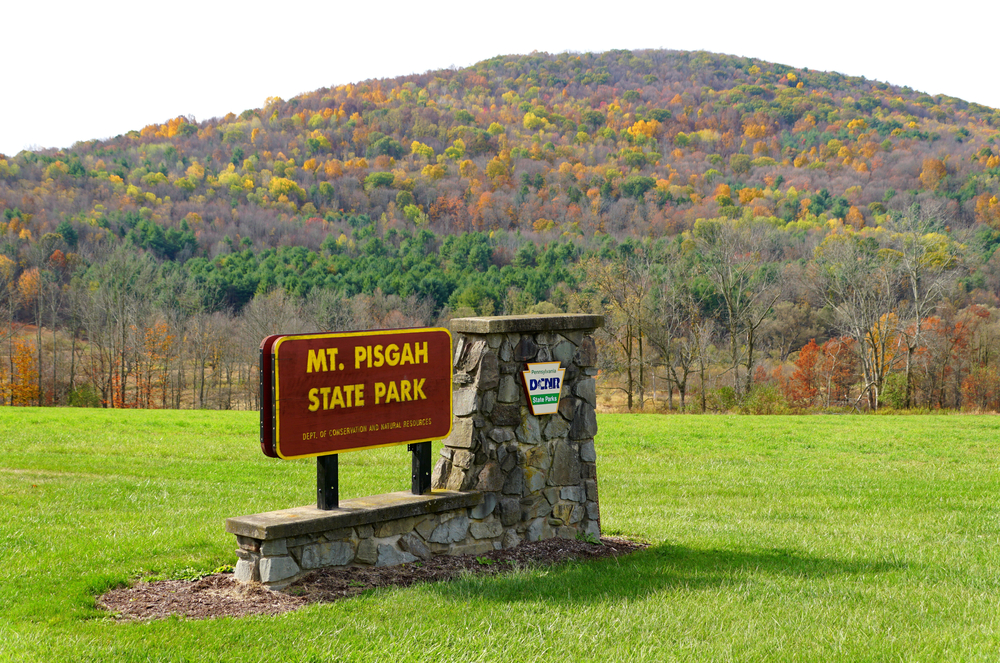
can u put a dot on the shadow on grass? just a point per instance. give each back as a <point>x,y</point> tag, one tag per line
<point>662,568</point>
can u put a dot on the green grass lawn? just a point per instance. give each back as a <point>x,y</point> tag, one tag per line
<point>773,538</point>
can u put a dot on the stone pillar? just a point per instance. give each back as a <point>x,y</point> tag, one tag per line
<point>537,474</point>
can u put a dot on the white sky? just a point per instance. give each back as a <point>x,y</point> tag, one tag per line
<point>97,69</point>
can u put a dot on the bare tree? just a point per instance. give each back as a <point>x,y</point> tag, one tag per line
<point>116,311</point>
<point>927,263</point>
<point>623,285</point>
<point>734,257</point>
<point>859,282</point>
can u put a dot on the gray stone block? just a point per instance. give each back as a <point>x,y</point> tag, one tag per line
<point>439,477</point>
<point>486,530</point>
<point>365,531</point>
<point>514,484</point>
<point>491,478</point>
<point>534,480</point>
<point>274,547</point>
<point>463,434</point>
<point>509,460</point>
<point>334,553</point>
<point>510,539</point>
<point>591,485</point>
<point>538,529</point>
<point>593,528</point>
<point>562,512</point>
<point>574,337</point>
<point>593,511</point>
<point>526,349</point>
<point>587,390</point>
<point>489,372</point>
<point>587,452</point>
<point>494,340</point>
<point>565,466</point>
<point>556,427</point>
<point>551,494</point>
<point>246,571</point>
<point>537,457</point>
<point>501,435</point>
<point>572,493</point>
<point>367,552</point>
<point>527,431</point>
<point>577,515</point>
<point>540,508</point>
<point>413,544</point>
<point>506,414</point>
<point>460,343</point>
<point>472,352</point>
<point>584,422</point>
<point>510,511</point>
<point>567,407</point>
<point>464,401</point>
<point>488,400</point>
<point>586,353</point>
<point>391,556</point>
<point>342,534</point>
<point>485,507</point>
<point>276,569</point>
<point>426,526</point>
<point>509,390</point>
<point>546,338</point>
<point>463,459</point>
<point>394,527</point>
<point>563,352</point>
<point>451,531</point>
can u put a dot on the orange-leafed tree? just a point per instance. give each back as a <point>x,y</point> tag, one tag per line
<point>24,383</point>
<point>838,369</point>
<point>932,173</point>
<point>802,388</point>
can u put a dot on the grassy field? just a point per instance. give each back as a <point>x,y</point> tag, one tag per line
<point>773,538</point>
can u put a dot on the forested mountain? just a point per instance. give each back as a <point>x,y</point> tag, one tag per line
<point>744,188</point>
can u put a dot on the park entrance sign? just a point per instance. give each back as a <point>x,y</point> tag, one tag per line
<point>333,392</point>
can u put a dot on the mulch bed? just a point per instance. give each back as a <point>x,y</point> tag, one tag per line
<point>220,595</point>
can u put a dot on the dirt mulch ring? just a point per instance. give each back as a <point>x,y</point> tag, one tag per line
<point>220,595</point>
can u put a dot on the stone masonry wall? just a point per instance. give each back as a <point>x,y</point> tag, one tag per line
<point>504,476</point>
<point>538,474</point>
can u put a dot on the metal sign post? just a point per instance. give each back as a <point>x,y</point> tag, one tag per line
<point>420,478</point>
<point>327,482</point>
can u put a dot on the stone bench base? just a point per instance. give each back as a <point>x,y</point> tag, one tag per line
<point>277,547</point>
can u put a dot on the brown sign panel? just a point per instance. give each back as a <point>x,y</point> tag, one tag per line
<point>340,392</point>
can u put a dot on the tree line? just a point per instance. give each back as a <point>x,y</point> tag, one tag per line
<point>735,313</point>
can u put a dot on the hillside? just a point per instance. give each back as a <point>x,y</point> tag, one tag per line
<point>624,143</point>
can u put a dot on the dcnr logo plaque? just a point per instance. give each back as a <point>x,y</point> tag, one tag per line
<point>543,382</point>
